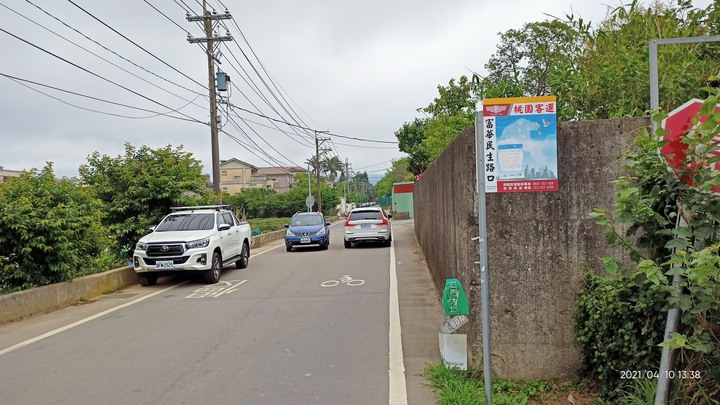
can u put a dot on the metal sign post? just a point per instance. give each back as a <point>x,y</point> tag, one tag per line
<point>484,277</point>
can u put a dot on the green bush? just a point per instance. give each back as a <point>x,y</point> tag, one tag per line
<point>49,231</point>
<point>620,324</point>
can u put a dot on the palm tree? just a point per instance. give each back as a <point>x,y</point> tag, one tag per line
<point>332,166</point>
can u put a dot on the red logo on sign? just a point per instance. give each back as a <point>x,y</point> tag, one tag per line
<point>500,109</point>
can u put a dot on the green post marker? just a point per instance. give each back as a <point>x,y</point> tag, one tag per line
<point>454,300</point>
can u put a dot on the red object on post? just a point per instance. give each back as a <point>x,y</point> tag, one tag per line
<point>678,123</point>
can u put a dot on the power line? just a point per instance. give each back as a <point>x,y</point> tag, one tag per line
<point>108,49</point>
<point>134,43</point>
<point>20,81</point>
<point>91,72</point>
<point>168,18</point>
<point>309,129</point>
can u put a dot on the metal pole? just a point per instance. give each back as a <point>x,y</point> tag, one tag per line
<point>484,272</point>
<point>654,85</point>
<point>662,391</point>
<point>309,190</point>
<point>317,171</point>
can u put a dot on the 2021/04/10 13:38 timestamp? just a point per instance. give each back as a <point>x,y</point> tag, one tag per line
<point>671,374</point>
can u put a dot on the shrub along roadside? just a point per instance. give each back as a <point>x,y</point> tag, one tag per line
<point>50,231</point>
<point>650,203</point>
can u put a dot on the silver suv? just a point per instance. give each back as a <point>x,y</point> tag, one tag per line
<point>368,224</point>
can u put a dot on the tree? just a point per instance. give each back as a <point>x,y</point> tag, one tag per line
<point>361,188</point>
<point>397,173</point>
<point>602,71</point>
<point>537,60</point>
<point>441,131</point>
<point>50,231</point>
<point>456,99</point>
<point>410,140</point>
<point>139,188</point>
<point>614,64</point>
<point>332,166</point>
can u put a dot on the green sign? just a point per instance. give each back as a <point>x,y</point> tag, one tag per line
<point>454,300</point>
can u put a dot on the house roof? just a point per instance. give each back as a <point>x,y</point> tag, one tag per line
<point>233,160</point>
<point>269,171</point>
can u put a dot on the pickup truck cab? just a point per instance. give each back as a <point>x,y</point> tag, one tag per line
<point>193,239</point>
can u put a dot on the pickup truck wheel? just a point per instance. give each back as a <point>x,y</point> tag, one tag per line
<point>212,276</point>
<point>146,280</point>
<point>244,257</point>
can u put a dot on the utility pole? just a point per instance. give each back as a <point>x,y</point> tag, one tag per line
<point>318,142</point>
<point>347,182</point>
<point>210,39</point>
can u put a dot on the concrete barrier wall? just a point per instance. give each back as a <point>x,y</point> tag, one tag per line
<point>539,244</point>
<point>41,299</point>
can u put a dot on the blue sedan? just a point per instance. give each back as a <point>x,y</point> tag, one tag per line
<point>307,229</point>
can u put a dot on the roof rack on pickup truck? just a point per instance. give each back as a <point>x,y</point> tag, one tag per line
<point>200,207</point>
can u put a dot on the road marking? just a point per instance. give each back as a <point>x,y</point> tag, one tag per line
<point>88,319</point>
<point>398,389</point>
<point>216,290</point>
<point>347,280</point>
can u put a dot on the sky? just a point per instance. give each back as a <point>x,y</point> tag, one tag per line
<point>356,69</point>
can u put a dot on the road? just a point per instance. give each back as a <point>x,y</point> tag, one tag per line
<point>302,327</point>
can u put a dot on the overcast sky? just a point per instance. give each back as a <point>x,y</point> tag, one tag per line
<point>357,69</point>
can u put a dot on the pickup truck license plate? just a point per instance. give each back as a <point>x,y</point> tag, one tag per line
<point>304,240</point>
<point>164,264</point>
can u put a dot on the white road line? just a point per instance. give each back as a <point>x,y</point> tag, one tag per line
<point>398,389</point>
<point>88,319</point>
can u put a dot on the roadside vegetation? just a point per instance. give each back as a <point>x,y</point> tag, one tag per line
<point>452,387</point>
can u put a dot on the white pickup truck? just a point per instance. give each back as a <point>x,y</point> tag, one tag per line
<point>199,239</point>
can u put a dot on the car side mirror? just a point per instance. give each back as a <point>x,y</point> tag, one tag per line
<point>327,223</point>
<point>223,227</point>
<point>286,226</point>
<point>389,216</point>
<point>152,229</point>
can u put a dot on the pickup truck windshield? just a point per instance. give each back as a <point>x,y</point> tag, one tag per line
<point>187,222</point>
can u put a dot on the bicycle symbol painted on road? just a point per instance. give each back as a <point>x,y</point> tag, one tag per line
<point>346,279</point>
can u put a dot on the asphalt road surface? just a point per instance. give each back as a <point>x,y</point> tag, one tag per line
<point>342,326</point>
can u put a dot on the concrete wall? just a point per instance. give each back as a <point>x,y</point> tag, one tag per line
<point>41,299</point>
<point>539,244</point>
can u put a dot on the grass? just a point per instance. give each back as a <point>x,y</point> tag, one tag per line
<point>455,387</point>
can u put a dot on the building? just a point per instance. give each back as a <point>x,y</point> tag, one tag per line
<point>281,179</point>
<point>236,175</point>
<point>6,174</point>
<point>402,199</point>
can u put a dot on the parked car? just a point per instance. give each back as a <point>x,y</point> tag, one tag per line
<point>201,239</point>
<point>307,229</point>
<point>368,224</point>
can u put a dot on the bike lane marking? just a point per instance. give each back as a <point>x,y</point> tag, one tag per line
<point>346,279</point>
